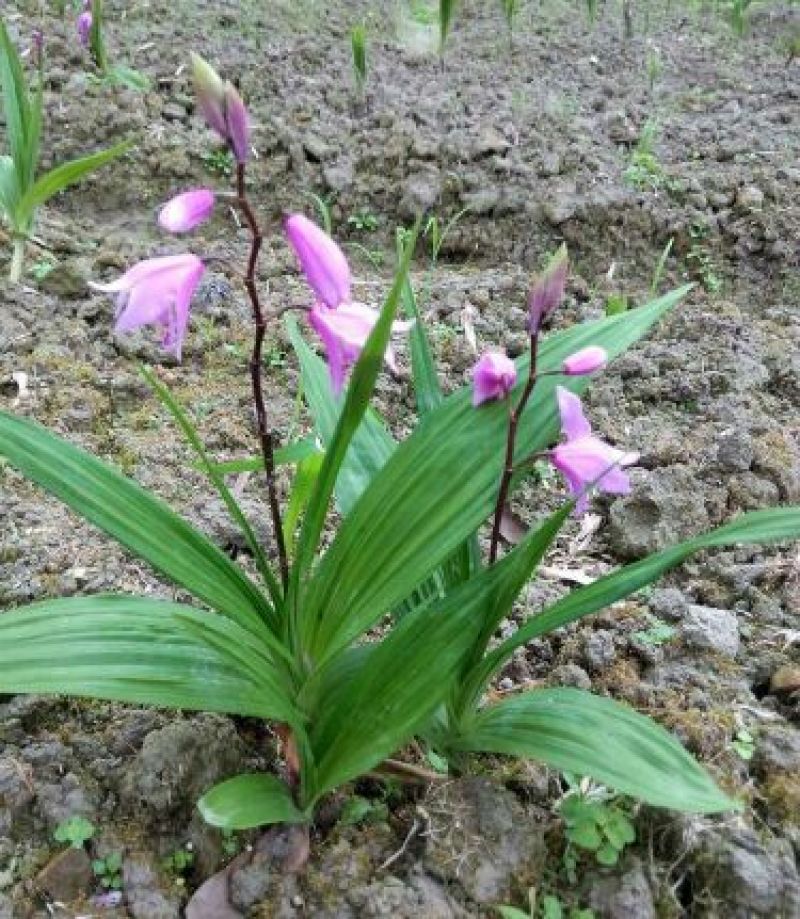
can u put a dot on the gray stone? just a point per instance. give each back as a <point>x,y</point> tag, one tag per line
<point>661,510</point>
<point>148,894</point>
<point>750,198</point>
<point>778,748</point>
<point>67,876</point>
<point>621,896</point>
<point>599,650</point>
<point>735,451</point>
<point>420,192</point>
<point>489,143</point>
<point>485,841</point>
<point>571,675</point>
<point>668,603</point>
<point>178,763</point>
<point>420,896</point>
<point>709,629</point>
<point>16,793</point>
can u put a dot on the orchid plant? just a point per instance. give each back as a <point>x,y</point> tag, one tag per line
<point>297,643</point>
<point>21,191</point>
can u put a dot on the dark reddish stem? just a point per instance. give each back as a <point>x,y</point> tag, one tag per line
<point>508,465</point>
<point>265,436</point>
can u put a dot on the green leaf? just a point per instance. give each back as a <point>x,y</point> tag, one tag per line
<point>142,523</point>
<point>305,479</point>
<point>441,483</point>
<point>372,444</point>
<point>234,510</point>
<point>148,652</point>
<point>291,453</point>
<point>619,830</point>
<point>359,392</point>
<point>585,835</point>
<point>607,855</point>
<point>9,188</point>
<point>16,108</point>
<point>247,801</point>
<point>127,76</point>
<point>570,729</point>
<point>446,11</point>
<point>67,174</point>
<point>774,524</point>
<point>511,912</point>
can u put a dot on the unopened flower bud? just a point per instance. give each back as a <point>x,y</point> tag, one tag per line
<point>186,211</point>
<point>585,361</point>
<point>210,91</point>
<point>84,26</point>
<point>237,123</point>
<point>548,290</point>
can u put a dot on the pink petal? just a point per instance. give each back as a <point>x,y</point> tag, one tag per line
<point>237,123</point>
<point>322,261</point>
<point>573,421</point>
<point>186,211</point>
<point>587,360</point>
<point>493,377</point>
<point>146,269</point>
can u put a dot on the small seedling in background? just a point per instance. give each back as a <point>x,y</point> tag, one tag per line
<point>361,810</point>
<point>76,831</point>
<point>595,821</point>
<point>178,864</point>
<point>231,844</point>
<point>42,268</point>
<point>510,10</point>
<point>661,264</point>
<point>108,871</point>
<point>658,633</point>
<point>550,907</point>
<point>744,744</point>
<point>438,233</point>
<point>21,192</point>
<point>738,15</point>
<point>118,74</point>
<point>363,222</point>
<point>699,260</point>
<point>591,11</point>
<point>220,162</point>
<point>655,67</point>
<point>616,304</point>
<point>323,206</point>
<point>358,44</point>
<point>447,9</point>
<point>644,171</point>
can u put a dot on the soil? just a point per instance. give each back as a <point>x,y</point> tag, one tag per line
<point>536,138</point>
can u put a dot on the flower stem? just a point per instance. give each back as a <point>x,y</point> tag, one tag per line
<point>17,259</point>
<point>508,466</point>
<point>265,435</point>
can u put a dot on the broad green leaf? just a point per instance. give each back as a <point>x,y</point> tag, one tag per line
<point>67,174</point>
<point>148,652</point>
<point>441,483</point>
<point>371,444</point>
<point>370,701</point>
<point>359,393</point>
<point>237,515</point>
<point>248,801</point>
<point>573,730</point>
<point>291,453</point>
<point>141,522</point>
<point>774,524</point>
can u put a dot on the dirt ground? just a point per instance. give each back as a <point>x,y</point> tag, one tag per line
<point>569,133</point>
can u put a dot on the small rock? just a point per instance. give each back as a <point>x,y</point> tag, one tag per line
<point>709,629</point>
<point>621,896</point>
<point>735,451</point>
<point>67,876</point>
<point>750,198</point>
<point>571,675</point>
<point>668,603</point>
<point>778,748</point>
<point>489,143</point>
<point>785,680</point>
<point>65,281</point>
<point>148,894</point>
<point>599,650</point>
<point>16,793</point>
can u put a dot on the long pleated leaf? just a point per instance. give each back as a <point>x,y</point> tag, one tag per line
<point>772,525</point>
<point>16,107</point>
<point>441,484</point>
<point>582,733</point>
<point>247,801</point>
<point>147,652</point>
<point>370,446</point>
<point>141,522</point>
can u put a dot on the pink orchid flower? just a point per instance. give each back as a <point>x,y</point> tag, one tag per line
<point>585,361</point>
<point>584,459</point>
<point>157,292</point>
<point>186,211</point>
<point>344,332</point>
<point>321,260</point>
<point>84,26</point>
<point>493,377</point>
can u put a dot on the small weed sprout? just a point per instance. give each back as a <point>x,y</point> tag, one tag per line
<point>363,221</point>
<point>699,260</point>
<point>511,9</point>
<point>219,162</point>
<point>743,744</point>
<point>108,871</point>
<point>358,46</point>
<point>323,206</point>
<point>656,634</point>
<point>739,15</point>
<point>654,65</point>
<point>76,831</point>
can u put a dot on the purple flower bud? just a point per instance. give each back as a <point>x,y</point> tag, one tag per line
<point>186,211</point>
<point>548,290</point>
<point>84,25</point>
<point>210,92</point>
<point>237,124</point>
<point>493,377</point>
<point>585,361</point>
<point>322,261</point>
<point>37,47</point>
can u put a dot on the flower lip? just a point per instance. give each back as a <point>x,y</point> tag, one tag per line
<point>493,377</point>
<point>321,260</point>
<point>186,211</point>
